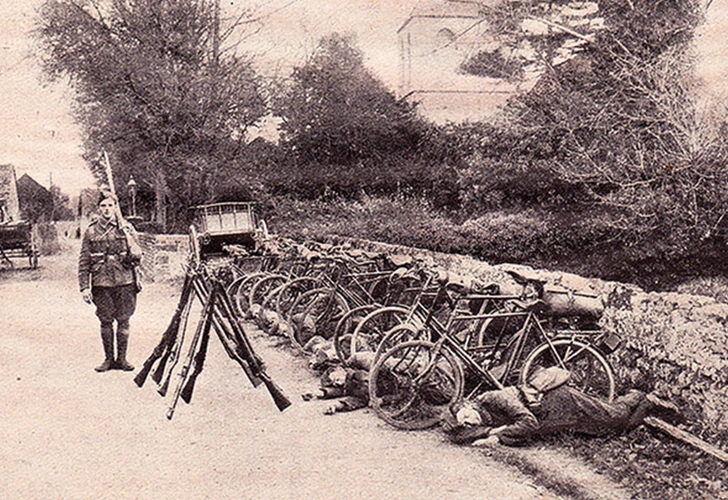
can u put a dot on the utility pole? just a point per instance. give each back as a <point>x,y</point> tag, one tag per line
<point>216,33</point>
<point>53,196</point>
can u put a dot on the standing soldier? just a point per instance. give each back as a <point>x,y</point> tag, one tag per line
<point>107,278</point>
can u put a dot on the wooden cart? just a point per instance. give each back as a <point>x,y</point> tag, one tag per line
<point>18,240</point>
<point>233,223</point>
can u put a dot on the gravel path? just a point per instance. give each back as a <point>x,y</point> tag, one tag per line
<point>71,433</point>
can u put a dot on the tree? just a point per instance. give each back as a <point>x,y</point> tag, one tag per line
<point>335,111</point>
<point>61,205</point>
<point>618,116</point>
<point>154,90</point>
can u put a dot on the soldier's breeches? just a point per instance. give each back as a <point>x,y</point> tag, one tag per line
<point>115,303</point>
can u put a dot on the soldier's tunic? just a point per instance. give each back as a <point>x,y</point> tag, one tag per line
<point>106,266</point>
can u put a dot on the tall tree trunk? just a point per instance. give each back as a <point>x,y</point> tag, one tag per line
<point>160,195</point>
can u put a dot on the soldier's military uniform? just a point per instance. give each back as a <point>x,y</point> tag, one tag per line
<point>106,265</point>
<point>518,414</point>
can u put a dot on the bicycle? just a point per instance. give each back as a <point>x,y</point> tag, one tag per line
<point>353,284</point>
<point>414,381</point>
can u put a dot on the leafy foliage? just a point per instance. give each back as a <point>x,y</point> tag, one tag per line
<point>614,129</point>
<point>335,111</point>
<point>153,91</point>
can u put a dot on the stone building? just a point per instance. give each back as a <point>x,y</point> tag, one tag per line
<point>441,36</point>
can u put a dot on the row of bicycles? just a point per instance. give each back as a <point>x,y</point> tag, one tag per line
<point>434,337</point>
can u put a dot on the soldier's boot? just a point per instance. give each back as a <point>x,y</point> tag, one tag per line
<point>107,340</point>
<point>122,341</point>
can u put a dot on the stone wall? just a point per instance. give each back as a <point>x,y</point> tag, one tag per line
<point>676,344</point>
<point>165,256</point>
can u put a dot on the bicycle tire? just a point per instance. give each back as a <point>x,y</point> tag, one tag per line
<point>291,291</point>
<point>232,288</point>
<point>409,392</point>
<point>372,328</point>
<point>344,330</point>
<point>240,301</point>
<point>591,373</point>
<point>268,319</point>
<point>260,290</point>
<point>323,308</point>
<point>400,334</point>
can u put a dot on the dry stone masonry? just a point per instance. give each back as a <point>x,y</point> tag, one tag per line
<point>674,343</point>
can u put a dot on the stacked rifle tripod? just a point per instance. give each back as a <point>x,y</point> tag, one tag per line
<point>218,315</point>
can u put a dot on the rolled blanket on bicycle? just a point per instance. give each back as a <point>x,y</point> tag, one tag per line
<point>561,301</point>
<point>462,283</point>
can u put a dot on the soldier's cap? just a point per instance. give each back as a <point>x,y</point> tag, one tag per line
<point>105,194</point>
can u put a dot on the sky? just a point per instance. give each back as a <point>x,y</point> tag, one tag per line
<point>39,137</point>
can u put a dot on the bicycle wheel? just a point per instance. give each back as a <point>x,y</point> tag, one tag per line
<point>240,301</point>
<point>232,288</point>
<point>591,373</point>
<point>316,312</point>
<point>400,334</point>
<point>372,328</point>
<point>291,291</point>
<point>344,329</point>
<point>268,319</point>
<point>262,288</point>
<point>412,385</point>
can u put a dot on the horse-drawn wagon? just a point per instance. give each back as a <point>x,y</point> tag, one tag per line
<point>18,239</point>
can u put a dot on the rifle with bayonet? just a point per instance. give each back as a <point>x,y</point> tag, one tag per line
<point>132,246</point>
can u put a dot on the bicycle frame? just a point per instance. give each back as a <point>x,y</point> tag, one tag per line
<point>532,329</point>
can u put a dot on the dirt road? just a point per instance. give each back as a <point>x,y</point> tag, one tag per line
<point>71,433</point>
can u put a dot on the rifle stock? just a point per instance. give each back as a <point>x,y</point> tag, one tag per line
<point>195,345</point>
<point>279,398</point>
<point>168,337</point>
<point>142,374</point>
<point>231,351</point>
<point>199,361</point>
<point>162,391</point>
<point>159,371</point>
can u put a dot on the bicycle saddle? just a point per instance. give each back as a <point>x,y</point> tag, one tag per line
<point>400,260</point>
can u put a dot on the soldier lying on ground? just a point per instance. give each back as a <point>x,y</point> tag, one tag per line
<point>547,405</point>
<point>349,384</point>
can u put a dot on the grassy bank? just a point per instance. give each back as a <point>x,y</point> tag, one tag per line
<point>583,243</point>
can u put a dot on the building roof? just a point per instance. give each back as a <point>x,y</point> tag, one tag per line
<point>440,9</point>
<point>27,182</point>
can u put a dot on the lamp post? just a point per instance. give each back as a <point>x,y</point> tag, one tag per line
<point>132,185</point>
